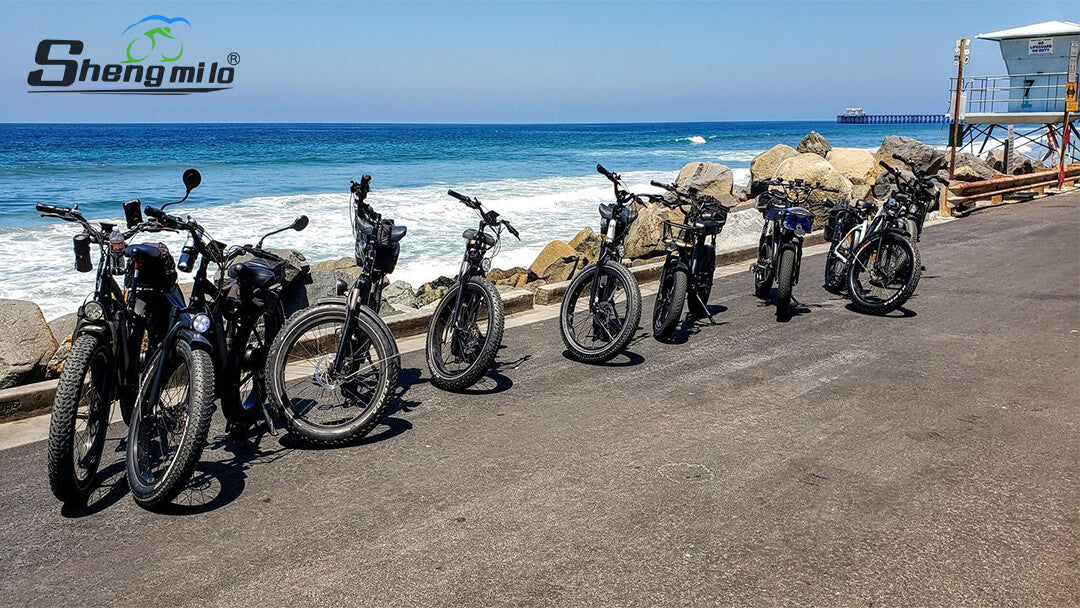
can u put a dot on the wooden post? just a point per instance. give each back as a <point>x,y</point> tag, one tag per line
<point>943,203</point>
<point>960,59</point>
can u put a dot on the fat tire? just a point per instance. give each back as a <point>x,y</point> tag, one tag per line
<point>835,279</point>
<point>459,382</point>
<point>633,316</point>
<point>785,281</point>
<point>359,426</point>
<point>664,322</point>
<point>62,476</point>
<point>901,296</point>
<point>187,456</point>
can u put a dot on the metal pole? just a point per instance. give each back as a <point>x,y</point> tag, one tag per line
<point>1007,157</point>
<point>961,59</point>
<point>1070,102</point>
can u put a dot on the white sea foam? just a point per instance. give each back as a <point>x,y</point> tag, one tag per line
<point>36,263</point>
<point>696,139</point>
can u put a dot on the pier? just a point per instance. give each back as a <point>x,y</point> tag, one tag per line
<point>890,119</point>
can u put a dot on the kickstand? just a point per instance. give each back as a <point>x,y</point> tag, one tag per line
<point>797,303</point>
<point>705,308</point>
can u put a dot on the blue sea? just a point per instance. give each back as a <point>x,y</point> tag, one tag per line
<point>259,176</point>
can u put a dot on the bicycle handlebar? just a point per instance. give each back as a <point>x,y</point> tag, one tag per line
<point>668,187</point>
<point>614,177</point>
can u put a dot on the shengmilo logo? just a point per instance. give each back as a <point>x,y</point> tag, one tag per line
<point>152,48</point>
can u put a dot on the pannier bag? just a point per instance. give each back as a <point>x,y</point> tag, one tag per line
<point>840,220</point>
<point>380,246</point>
<point>156,267</point>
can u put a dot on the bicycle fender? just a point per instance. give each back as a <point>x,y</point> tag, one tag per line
<point>378,322</point>
<point>90,327</point>
<point>195,339</point>
<point>339,300</point>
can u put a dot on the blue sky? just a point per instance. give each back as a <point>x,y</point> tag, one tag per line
<point>526,61</point>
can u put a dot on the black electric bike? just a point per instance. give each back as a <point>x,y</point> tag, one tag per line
<point>467,326</point>
<point>687,276</point>
<point>916,195</point>
<point>106,351</point>
<point>872,255</point>
<point>780,245</point>
<point>333,368</point>
<point>602,305</point>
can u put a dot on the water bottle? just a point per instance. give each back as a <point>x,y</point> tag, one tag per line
<point>116,250</point>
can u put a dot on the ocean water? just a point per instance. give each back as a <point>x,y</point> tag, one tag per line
<point>259,176</point>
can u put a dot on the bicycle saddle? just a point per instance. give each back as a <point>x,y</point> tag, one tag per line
<point>253,272</point>
<point>397,233</point>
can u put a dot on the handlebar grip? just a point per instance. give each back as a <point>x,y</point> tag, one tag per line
<point>668,187</point>
<point>52,209</point>
<point>459,196</point>
<point>365,181</point>
<point>887,166</point>
<point>512,230</point>
<point>602,171</point>
<point>155,213</point>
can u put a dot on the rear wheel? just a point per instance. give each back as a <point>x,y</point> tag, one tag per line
<point>835,279</point>
<point>457,356</point>
<point>253,387</point>
<point>785,281</point>
<point>166,438</point>
<point>594,333</point>
<point>763,272</point>
<point>669,303</point>
<point>322,405</point>
<point>884,273</point>
<point>80,418</point>
<point>697,299</point>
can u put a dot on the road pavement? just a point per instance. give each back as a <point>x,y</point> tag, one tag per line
<point>929,458</point>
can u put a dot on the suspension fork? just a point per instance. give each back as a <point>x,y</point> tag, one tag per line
<point>601,261</point>
<point>346,328</point>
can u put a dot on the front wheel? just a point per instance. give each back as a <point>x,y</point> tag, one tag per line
<point>80,418</point>
<point>458,354</point>
<point>166,438</point>
<point>318,398</point>
<point>669,303</point>
<point>785,281</point>
<point>884,274</point>
<point>594,332</point>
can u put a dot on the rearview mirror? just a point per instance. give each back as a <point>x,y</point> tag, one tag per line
<point>192,179</point>
<point>300,223</point>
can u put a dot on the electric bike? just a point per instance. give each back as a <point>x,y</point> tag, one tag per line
<point>602,305</point>
<point>467,326</point>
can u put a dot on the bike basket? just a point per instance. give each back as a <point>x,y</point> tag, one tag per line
<point>677,235</point>
<point>374,240</point>
<point>840,220</point>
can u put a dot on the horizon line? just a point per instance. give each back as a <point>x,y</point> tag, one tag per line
<point>399,123</point>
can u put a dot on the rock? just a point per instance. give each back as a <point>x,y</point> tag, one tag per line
<point>859,166</point>
<point>764,165</point>
<point>295,262</point>
<point>861,192</point>
<point>433,291</point>
<point>885,186</point>
<point>815,169</point>
<point>346,264</point>
<point>56,362</point>
<point>26,343</point>
<point>926,159</point>
<point>515,277</point>
<point>557,262</point>
<point>971,168</point>
<point>312,286</point>
<point>400,295</point>
<point>645,261</point>
<point>587,243</point>
<point>814,143</point>
<point>63,326</point>
<point>741,193</point>
<point>1019,164</point>
<point>711,179</point>
<point>643,238</point>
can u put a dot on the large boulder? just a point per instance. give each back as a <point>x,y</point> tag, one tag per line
<point>711,179</point>
<point>856,164</point>
<point>400,295</point>
<point>764,165</point>
<point>62,328</point>
<point>26,343</point>
<point>885,186</point>
<point>295,263</point>
<point>1019,164</point>
<point>814,143</point>
<point>643,237</point>
<point>814,169</point>
<point>319,281</point>
<point>515,277</point>
<point>926,159</point>
<point>432,291</point>
<point>557,262</point>
<point>587,243</point>
<point>971,168</point>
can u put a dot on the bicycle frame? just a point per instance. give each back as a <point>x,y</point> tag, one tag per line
<point>474,256</point>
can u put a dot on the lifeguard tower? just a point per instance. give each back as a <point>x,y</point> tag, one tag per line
<point>1030,98</point>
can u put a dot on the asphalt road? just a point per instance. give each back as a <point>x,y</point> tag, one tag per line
<point>927,459</point>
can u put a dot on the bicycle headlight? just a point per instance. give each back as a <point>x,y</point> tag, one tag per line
<point>485,265</point>
<point>200,323</point>
<point>93,311</point>
<point>798,223</point>
<point>622,252</point>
